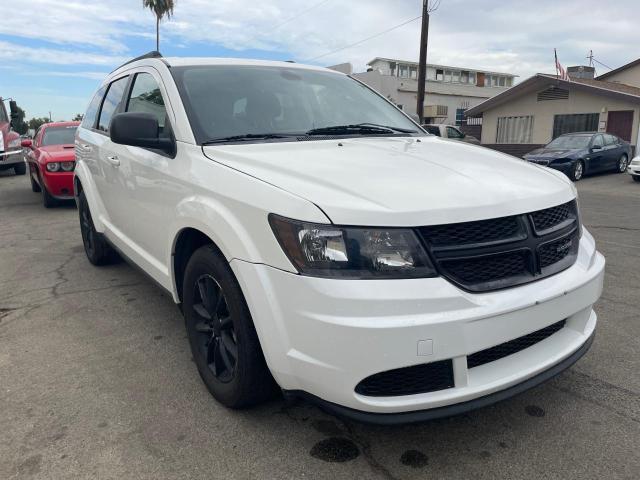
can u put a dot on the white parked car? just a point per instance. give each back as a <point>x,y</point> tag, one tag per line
<point>450,132</point>
<point>634,168</point>
<point>319,241</point>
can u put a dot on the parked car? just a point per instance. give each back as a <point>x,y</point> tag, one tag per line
<point>634,169</point>
<point>51,159</point>
<point>450,132</point>
<point>317,240</point>
<point>10,151</point>
<point>578,154</point>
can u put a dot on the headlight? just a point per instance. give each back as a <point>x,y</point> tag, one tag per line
<point>352,252</point>
<point>53,166</point>
<point>635,162</point>
<point>67,166</point>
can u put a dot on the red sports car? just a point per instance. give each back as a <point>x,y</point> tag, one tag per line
<point>51,158</point>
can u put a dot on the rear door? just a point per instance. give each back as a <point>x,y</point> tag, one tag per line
<point>612,150</point>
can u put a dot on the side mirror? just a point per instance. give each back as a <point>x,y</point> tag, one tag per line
<point>26,143</point>
<point>139,130</point>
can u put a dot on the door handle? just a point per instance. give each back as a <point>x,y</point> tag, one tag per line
<point>114,160</point>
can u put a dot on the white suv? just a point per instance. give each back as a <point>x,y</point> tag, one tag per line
<point>318,240</point>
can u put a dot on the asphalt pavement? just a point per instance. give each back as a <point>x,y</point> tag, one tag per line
<point>97,380</point>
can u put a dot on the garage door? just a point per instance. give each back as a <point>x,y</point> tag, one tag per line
<point>619,123</point>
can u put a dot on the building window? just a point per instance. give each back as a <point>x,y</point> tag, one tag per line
<point>464,77</point>
<point>472,78</point>
<point>404,71</point>
<point>515,129</point>
<point>447,75</point>
<point>579,122</point>
<point>487,80</point>
<point>439,75</point>
<point>460,116</point>
<point>502,81</point>
<point>431,73</point>
<point>509,81</point>
<point>413,73</point>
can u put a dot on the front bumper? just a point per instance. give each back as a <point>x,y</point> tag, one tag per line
<point>323,336</point>
<point>58,184</point>
<point>11,158</point>
<point>634,170</point>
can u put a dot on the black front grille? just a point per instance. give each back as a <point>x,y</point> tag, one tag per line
<point>473,232</point>
<point>513,346</point>
<point>424,378</point>
<point>506,251</point>
<point>487,269</point>
<point>552,217</point>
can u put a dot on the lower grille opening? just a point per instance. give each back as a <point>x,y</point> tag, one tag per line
<point>512,346</point>
<point>424,378</point>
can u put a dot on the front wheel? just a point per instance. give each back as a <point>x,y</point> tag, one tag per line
<point>577,171</point>
<point>47,200</point>
<point>223,339</point>
<point>35,187</point>
<point>623,162</point>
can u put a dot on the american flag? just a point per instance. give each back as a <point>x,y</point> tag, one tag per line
<point>561,73</point>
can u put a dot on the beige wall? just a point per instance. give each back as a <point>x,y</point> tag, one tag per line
<point>630,76</point>
<point>543,112</point>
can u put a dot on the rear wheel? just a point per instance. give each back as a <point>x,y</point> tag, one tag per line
<point>623,162</point>
<point>222,336</point>
<point>98,251</point>
<point>577,171</point>
<point>20,169</point>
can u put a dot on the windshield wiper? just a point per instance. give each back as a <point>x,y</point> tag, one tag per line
<point>360,128</point>
<point>250,136</point>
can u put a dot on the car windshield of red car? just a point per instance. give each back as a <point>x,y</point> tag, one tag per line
<point>59,136</point>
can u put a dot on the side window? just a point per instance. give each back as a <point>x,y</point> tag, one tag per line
<point>454,133</point>
<point>433,130</point>
<point>598,141</point>
<point>37,137</point>
<point>3,114</point>
<point>89,119</point>
<point>111,103</point>
<point>609,139</point>
<point>146,97</point>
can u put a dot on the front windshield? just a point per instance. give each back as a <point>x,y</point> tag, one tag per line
<point>228,101</point>
<point>59,135</point>
<point>570,142</point>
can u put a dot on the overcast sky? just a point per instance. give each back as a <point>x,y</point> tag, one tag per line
<point>54,53</point>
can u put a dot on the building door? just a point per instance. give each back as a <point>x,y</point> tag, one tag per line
<point>480,79</point>
<point>619,123</point>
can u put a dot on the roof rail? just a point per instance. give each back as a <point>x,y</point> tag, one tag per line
<point>151,54</point>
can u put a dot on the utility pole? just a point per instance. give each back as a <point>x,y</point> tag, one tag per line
<point>428,6</point>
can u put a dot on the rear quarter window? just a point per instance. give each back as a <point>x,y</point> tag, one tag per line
<point>112,102</point>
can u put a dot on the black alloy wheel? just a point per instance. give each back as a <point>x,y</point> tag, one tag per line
<point>98,251</point>
<point>216,340</point>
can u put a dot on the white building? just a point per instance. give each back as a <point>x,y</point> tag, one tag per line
<point>449,90</point>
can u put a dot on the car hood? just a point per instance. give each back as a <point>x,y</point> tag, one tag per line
<point>389,181</point>
<point>550,153</point>
<point>59,153</point>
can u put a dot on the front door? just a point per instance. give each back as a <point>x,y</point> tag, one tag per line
<point>619,123</point>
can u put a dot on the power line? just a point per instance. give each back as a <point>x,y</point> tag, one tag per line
<point>365,39</point>
<point>605,66</point>
<point>319,4</point>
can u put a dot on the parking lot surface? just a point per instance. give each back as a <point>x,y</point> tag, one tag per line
<point>96,379</point>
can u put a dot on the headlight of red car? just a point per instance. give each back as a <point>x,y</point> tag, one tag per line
<point>53,166</point>
<point>67,166</point>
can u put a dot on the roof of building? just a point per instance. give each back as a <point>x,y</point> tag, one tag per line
<point>619,69</point>
<point>534,83</point>
<point>441,66</point>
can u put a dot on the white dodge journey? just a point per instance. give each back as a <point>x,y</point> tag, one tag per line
<point>319,242</point>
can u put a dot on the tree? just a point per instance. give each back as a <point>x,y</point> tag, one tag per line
<point>78,117</point>
<point>160,8</point>
<point>18,124</point>
<point>35,123</point>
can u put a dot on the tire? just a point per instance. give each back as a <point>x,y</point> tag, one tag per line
<point>636,178</point>
<point>623,163</point>
<point>223,339</point>
<point>577,171</point>
<point>20,169</point>
<point>98,251</point>
<point>35,187</point>
<point>47,200</point>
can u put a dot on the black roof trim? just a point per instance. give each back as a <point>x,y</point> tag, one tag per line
<point>151,54</point>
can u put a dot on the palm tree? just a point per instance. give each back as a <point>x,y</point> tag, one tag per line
<point>160,8</point>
